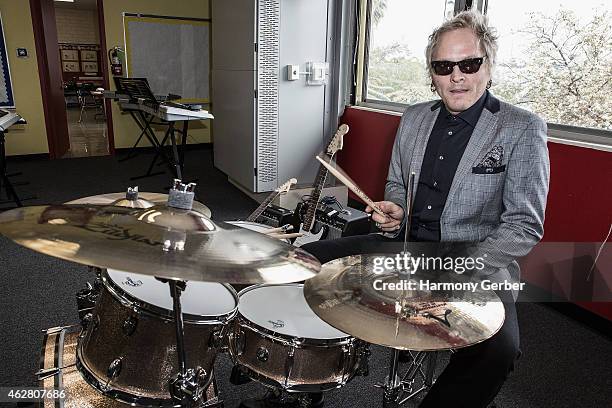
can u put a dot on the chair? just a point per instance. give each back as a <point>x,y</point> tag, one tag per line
<point>88,101</point>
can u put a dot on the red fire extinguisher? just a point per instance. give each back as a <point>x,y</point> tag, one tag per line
<point>116,67</point>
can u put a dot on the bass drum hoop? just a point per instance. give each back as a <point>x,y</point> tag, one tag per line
<point>294,341</point>
<point>140,306</point>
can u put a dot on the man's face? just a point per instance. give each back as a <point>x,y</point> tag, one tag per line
<point>459,91</point>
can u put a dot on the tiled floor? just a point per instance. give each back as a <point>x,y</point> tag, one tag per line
<point>88,138</point>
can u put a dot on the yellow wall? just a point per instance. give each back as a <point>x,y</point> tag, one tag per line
<point>125,130</point>
<point>18,33</point>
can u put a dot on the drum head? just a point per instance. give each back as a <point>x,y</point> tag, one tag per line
<point>198,299</point>
<point>283,309</point>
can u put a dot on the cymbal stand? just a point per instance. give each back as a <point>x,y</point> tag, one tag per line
<point>189,385</point>
<point>396,388</point>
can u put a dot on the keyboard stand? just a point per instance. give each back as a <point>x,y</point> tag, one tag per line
<point>10,192</point>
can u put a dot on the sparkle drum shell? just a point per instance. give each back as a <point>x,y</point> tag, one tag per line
<point>278,340</point>
<point>128,348</point>
<point>59,350</point>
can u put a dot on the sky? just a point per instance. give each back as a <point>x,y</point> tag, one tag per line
<point>411,22</point>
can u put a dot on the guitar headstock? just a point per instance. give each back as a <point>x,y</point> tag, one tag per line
<point>286,186</point>
<point>337,141</point>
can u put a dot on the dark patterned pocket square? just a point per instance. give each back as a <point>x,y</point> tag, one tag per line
<point>493,158</point>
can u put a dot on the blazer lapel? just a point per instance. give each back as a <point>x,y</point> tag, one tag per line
<point>483,134</point>
<point>422,138</point>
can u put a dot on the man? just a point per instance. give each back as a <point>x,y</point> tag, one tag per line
<point>481,175</point>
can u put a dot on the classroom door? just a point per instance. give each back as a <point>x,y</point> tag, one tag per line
<point>51,83</point>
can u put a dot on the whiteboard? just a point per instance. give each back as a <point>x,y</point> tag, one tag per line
<point>172,53</point>
<point>6,88</point>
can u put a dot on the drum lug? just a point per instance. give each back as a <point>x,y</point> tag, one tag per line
<point>289,364</point>
<point>114,369</point>
<point>129,325</point>
<point>216,340</point>
<point>262,354</point>
<point>238,339</point>
<point>363,356</point>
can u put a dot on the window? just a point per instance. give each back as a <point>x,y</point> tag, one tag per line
<point>555,58</point>
<point>394,70</point>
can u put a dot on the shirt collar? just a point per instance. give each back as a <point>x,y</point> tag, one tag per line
<point>471,114</point>
<point>489,102</point>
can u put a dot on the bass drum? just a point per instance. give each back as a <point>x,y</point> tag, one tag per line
<point>128,348</point>
<point>278,340</point>
<point>58,372</point>
<point>254,226</point>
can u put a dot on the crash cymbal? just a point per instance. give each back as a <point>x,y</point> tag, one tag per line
<point>144,200</point>
<point>158,241</point>
<point>345,295</point>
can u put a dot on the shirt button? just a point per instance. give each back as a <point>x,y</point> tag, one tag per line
<point>450,133</point>
<point>429,207</point>
<point>441,157</point>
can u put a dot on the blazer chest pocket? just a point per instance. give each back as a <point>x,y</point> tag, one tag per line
<point>488,170</point>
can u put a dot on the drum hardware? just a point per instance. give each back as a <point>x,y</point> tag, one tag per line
<point>143,200</point>
<point>50,372</point>
<point>129,325</point>
<point>263,354</point>
<point>113,371</point>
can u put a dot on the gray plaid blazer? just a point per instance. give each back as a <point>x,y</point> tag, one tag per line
<point>498,195</point>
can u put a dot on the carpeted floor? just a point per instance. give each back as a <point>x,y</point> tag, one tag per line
<point>564,363</point>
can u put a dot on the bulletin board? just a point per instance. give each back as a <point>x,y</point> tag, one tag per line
<point>172,53</point>
<point>6,88</point>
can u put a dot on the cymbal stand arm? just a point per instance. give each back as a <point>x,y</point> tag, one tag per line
<point>175,291</point>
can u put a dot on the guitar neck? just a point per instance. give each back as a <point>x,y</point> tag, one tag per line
<point>262,207</point>
<point>313,201</point>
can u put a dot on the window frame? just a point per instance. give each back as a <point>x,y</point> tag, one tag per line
<point>575,135</point>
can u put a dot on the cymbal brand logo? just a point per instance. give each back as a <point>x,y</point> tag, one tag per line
<point>116,233</point>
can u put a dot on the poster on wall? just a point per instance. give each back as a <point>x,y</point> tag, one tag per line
<point>6,89</point>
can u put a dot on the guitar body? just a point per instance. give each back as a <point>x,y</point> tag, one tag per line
<point>308,222</point>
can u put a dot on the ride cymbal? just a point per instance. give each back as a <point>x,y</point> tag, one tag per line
<point>349,296</point>
<point>159,241</point>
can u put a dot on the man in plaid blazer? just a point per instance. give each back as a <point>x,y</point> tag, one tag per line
<point>481,175</point>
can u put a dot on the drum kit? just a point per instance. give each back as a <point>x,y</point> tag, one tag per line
<point>163,308</point>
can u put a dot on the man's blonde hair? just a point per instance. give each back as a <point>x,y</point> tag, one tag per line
<point>475,21</point>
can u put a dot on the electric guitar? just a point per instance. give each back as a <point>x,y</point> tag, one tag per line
<point>262,207</point>
<point>308,222</point>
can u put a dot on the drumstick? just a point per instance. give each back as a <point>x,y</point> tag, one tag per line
<point>284,228</point>
<point>287,236</point>
<point>346,180</point>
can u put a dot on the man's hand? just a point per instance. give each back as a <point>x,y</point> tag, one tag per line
<point>395,215</point>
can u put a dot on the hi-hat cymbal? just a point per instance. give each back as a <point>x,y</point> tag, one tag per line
<point>344,295</point>
<point>158,241</point>
<point>144,200</point>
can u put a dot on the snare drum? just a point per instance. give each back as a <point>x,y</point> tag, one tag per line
<point>278,340</point>
<point>128,349</point>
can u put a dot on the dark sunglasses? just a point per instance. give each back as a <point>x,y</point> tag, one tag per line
<point>467,66</point>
